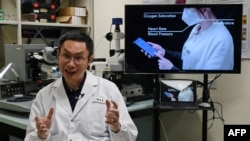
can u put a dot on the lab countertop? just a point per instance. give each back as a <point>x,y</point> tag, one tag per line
<point>147,104</point>
<point>21,121</point>
<point>16,120</point>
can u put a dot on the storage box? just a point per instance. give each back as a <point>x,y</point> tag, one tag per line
<point>73,11</point>
<point>51,6</point>
<point>28,17</point>
<point>45,17</point>
<point>44,10</point>
<point>71,19</point>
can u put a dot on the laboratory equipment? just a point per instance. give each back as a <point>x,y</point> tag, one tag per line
<point>116,61</point>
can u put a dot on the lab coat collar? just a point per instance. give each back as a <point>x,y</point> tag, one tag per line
<point>60,96</point>
<point>88,91</point>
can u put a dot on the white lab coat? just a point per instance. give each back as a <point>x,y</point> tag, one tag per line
<point>87,122</point>
<point>212,49</point>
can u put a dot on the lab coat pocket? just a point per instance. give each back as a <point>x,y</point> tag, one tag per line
<point>57,137</point>
<point>85,126</point>
<point>92,121</point>
<point>93,128</point>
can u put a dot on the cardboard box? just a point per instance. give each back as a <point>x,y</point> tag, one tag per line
<point>73,11</point>
<point>71,19</point>
<point>28,17</point>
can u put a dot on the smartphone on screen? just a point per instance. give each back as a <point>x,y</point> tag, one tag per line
<point>145,46</point>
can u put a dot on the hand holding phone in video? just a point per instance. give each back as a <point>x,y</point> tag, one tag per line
<point>164,63</point>
<point>160,51</point>
<point>151,49</point>
<point>145,47</point>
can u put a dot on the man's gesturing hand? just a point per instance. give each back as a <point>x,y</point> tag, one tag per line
<point>112,116</point>
<point>43,124</point>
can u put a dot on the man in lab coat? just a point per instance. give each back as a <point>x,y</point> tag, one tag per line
<point>79,106</point>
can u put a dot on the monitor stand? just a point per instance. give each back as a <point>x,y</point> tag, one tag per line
<point>205,98</point>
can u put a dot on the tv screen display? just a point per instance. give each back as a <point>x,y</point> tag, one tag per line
<point>190,38</point>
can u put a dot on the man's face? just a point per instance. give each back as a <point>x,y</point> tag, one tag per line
<point>73,60</point>
<point>203,13</point>
<point>206,13</point>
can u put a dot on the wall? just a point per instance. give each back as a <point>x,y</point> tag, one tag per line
<point>232,89</point>
<point>104,11</point>
<point>1,49</point>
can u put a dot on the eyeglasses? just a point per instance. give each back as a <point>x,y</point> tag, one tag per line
<point>76,59</point>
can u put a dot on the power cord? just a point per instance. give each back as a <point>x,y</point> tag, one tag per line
<point>164,131</point>
<point>210,83</point>
<point>216,114</point>
<point>99,42</point>
<point>219,115</point>
<point>109,37</point>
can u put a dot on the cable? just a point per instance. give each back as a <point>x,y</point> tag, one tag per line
<point>212,81</point>
<point>216,113</point>
<point>221,111</point>
<point>99,42</point>
<point>109,35</point>
<point>219,115</point>
<point>164,131</point>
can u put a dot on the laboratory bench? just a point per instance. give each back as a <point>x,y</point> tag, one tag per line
<point>14,124</point>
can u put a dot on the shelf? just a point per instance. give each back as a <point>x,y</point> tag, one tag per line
<point>45,24</point>
<point>8,22</point>
<point>55,25</point>
<point>14,17</point>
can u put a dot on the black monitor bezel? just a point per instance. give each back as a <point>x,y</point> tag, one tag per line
<point>237,54</point>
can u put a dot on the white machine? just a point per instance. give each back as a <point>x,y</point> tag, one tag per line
<point>116,61</point>
<point>31,60</point>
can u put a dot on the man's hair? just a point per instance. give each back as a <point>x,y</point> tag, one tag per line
<point>223,12</point>
<point>78,36</point>
<point>219,11</point>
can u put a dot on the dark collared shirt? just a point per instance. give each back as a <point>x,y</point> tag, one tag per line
<point>73,95</point>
